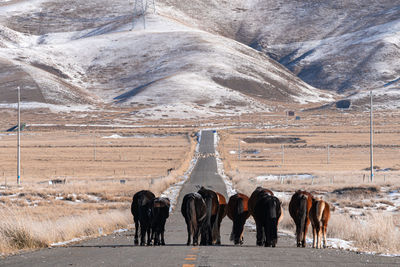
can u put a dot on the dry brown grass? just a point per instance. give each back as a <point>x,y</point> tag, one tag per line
<point>342,178</point>
<point>38,214</point>
<point>375,232</point>
<point>25,230</point>
<point>347,137</point>
<point>91,155</point>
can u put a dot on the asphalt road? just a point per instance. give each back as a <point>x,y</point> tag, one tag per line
<point>118,249</point>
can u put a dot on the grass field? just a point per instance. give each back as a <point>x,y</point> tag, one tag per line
<point>102,170</point>
<point>327,154</point>
<point>271,150</point>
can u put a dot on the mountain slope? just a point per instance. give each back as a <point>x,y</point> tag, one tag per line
<point>86,53</point>
<point>344,46</point>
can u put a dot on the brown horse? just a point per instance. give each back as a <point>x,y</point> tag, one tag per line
<point>319,216</point>
<point>141,209</point>
<point>238,212</point>
<point>268,210</point>
<point>257,194</point>
<point>194,211</point>
<point>160,214</point>
<point>211,200</point>
<point>221,214</point>
<point>299,208</point>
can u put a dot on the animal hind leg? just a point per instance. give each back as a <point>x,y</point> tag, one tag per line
<point>260,233</point>
<point>136,231</point>
<point>314,236</point>
<point>142,234</point>
<point>189,232</point>
<point>196,236</point>
<point>298,234</point>
<point>149,236</point>
<point>162,238</point>
<point>324,234</point>
<point>304,234</point>
<point>319,237</point>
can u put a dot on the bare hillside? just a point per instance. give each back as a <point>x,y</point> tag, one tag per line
<point>85,52</point>
<point>342,46</point>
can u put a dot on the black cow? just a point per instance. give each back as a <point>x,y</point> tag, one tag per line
<point>160,213</point>
<point>141,209</point>
<point>268,211</point>
<point>211,200</point>
<point>194,211</point>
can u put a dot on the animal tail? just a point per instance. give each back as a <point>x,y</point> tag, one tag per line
<point>281,215</point>
<point>191,212</point>
<point>237,217</point>
<point>320,209</point>
<point>303,211</point>
<point>272,210</point>
<point>209,210</point>
<point>215,228</point>
<point>140,215</point>
<point>273,207</point>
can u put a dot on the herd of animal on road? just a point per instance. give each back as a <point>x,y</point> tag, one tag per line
<point>204,210</point>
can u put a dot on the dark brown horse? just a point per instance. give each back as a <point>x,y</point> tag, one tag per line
<point>160,213</point>
<point>141,209</point>
<point>319,217</point>
<point>194,211</point>
<point>238,212</point>
<point>221,214</point>
<point>268,211</point>
<point>211,200</point>
<point>257,194</point>
<point>299,208</point>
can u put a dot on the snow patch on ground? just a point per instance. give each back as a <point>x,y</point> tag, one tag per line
<point>52,107</point>
<point>173,191</point>
<point>63,243</point>
<point>220,165</point>
<point>113,136</point>
<point>271,177</point>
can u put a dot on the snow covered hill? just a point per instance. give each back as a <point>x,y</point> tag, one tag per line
<point>84,52</point>
<point>193,59</point>
<point>342,46</point>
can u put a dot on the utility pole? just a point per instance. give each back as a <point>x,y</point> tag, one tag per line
<point>140,9</point>
<point>371,139</point>
<point>19,139</point>
<point>94,146</point>
<point>327,154</point>
<point>239,148</point>
<point>283,154</point>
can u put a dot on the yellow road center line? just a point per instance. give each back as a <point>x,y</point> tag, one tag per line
<point>190,256</point>
<point>190,259</point>
<point>195,248</point>
<point>188,265</point>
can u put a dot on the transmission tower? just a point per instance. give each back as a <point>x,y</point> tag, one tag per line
<point>140,9</point>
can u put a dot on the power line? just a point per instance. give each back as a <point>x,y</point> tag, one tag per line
<point>140,9</point>
<point>371,139</point>
<point>19,139</point>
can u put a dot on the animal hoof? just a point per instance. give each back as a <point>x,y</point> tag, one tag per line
<point>163,243</point>
<point>142,244</point>
<point>259,244</point>
<point>136,242</point>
